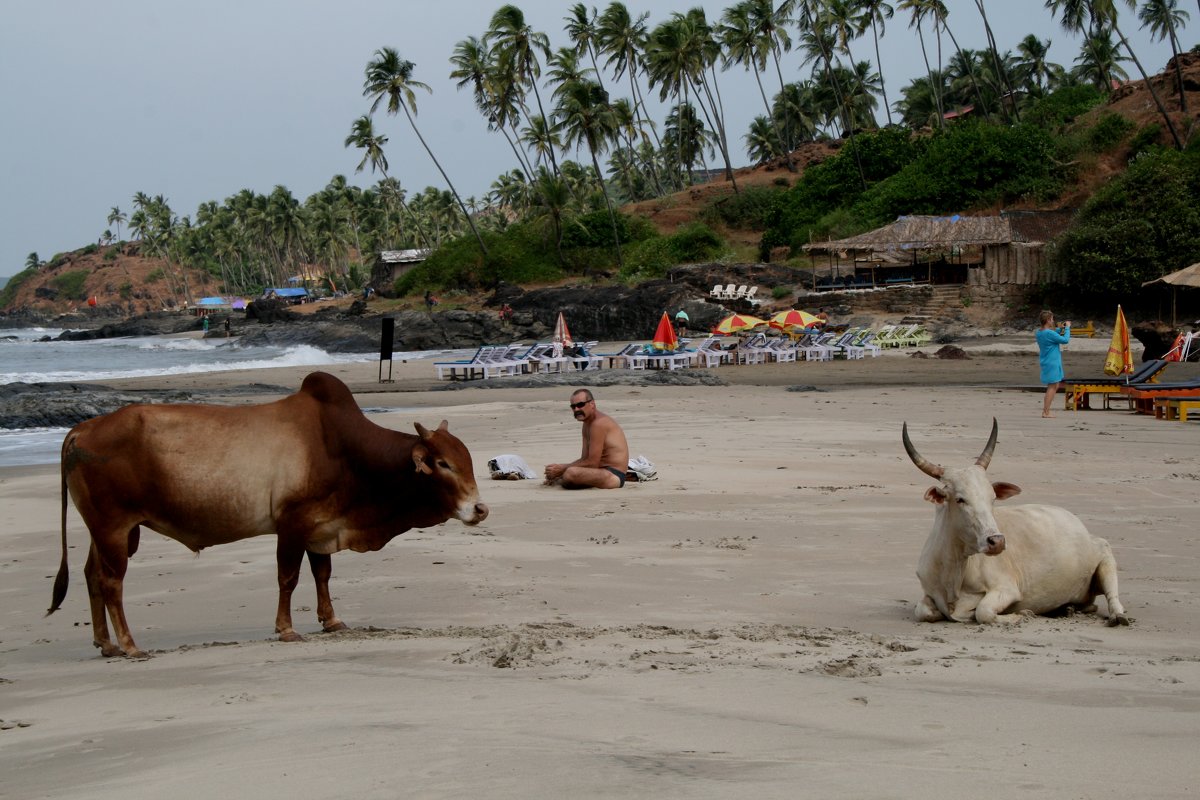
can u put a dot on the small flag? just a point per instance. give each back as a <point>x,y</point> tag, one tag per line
<point>1119,360</point>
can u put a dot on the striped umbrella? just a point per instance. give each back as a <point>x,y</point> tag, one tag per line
<point>791,319</point>
<point>736,323</point>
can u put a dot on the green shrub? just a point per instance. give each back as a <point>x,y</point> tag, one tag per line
<point>780,292</point>
<point>125,290</point>
<point>596,230</point>
<point>1146,139</point>
<point>695,242</point>
<point>647,259</point>
<point>749,209</point>
<point>155,276</point>
<point>70,284</point>
<point>1109,132</point>
<point>9,293</point>
<point>88,249</point>
<point>111,253</point>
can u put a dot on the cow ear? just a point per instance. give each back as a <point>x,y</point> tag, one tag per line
<point>445,426</point>
<point>935,494</point>
<point>422,431</point>
<point>1006,490</point>
<point>419,454</point>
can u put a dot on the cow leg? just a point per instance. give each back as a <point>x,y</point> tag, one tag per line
<point>991,608</point>
<point>322,567</point>
<point>105,572</point>
<point>96,599</point>
<point>1106,577</point>
<point>927,610</point>
<point>288,557</point>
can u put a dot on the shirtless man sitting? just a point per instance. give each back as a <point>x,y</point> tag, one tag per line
<point>605,452</point>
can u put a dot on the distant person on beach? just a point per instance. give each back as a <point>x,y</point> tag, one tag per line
<point>228,327</point>
<point>822,317</point>
<point>605,457</point>
<point>1050,341</point>
<point>204,325</point>
<point>506,313</point>
<point>681,323</point>
<point>430,301</point>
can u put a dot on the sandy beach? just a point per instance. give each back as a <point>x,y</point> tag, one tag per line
<point>740,627</point>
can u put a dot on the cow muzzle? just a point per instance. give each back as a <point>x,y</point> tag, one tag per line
<point>472,514</point>
<point>994,545</point>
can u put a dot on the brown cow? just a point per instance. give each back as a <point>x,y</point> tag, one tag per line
<point>309,468</point>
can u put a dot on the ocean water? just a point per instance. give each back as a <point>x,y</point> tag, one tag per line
<point>25,359</point>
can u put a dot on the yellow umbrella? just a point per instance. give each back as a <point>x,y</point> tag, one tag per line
<point>1119,360</point>
<point>736,323</point>
<point>792,318</point>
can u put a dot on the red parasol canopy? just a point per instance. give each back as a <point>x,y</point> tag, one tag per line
<point>664,335</point>
<point>561,334</point>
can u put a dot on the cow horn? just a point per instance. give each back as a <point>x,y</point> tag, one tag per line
<point>985,457</point>
<point>445,426</point>
<point>422,431</point>
<point>928,467</point>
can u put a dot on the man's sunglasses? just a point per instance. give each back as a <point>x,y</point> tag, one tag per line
<point>577,406</point>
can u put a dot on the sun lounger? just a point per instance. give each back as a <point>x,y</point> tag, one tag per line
<point>1077,390</point>
<point>467,366</point>
<point>1144,394</point>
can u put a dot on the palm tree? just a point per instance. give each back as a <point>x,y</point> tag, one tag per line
<point>388,75</point>
<point>515,48</point>
<point>875,13</point>
<point>794,108</point>
<point>1163,18</point>
<point>678,53</point>
<point>942,14</point>
<point>744,45</point>
<point>819,42</point>
<point>1098,62</point>
<point>1035,70</point>
<point>761,142</point>
<point>1102,15</point>
<point>920,10</point>
<point>548,201</point>
<point>473,66</point>
<point>685,136</point>
<point>32,261</point>
<point>584,117</point>
<point>623,39</point>
<point>997,63</point>
<point>116,217</point>
<point>363,136</point>
<point>583,31</point>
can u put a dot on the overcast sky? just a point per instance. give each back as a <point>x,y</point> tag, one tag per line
<point>196,101</point>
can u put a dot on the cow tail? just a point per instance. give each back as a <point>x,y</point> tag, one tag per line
<point>63,577</point>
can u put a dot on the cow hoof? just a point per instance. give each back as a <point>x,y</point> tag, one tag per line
<point>335,625</point>
<point>140,655</point>
<point>1117,619</point>
<point>290,636</point>
<point>109,650</point>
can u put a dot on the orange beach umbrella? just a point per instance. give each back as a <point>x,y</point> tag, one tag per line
<point>736,323</point>
<point>664,335</point>
<point>786,320</point>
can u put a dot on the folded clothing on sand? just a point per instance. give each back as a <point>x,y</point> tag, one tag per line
<point>640,469</point>
<point>510,468</point>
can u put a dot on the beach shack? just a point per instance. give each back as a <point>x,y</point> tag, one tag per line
<point>979,251</point>
<point>392,264</point>
<point>207,306</point>
<point>291,296</point>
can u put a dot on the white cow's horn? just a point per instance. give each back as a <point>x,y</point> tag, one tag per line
<point>985,457</point>
<point>928,467</point>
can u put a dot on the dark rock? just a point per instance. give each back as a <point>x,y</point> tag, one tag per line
<point>952,352</point>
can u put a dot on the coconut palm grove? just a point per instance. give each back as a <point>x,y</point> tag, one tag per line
<point>612,110</point>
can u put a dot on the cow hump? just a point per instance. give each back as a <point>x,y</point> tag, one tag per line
<point>325,388</point>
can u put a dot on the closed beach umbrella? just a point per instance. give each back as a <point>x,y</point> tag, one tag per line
<point>736,323</point>
<point>664,335</point>
<point>561,334</point>
<point>790,319</point>
<point>1119,360</point>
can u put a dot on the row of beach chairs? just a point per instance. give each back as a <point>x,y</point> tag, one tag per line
<point>732,292</point>
<point>492,361</point>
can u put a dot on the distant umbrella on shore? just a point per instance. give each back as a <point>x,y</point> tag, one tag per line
<point>562,335</point>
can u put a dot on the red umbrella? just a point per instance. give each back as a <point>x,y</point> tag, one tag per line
<point>664,336</point>
<point>790,319</point>
<point>561,334</point>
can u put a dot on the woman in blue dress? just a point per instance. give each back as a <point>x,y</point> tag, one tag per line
<point>1050,339</point>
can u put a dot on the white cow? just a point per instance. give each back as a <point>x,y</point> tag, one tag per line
<point>990,564</point>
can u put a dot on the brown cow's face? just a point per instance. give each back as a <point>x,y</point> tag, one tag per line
<point>444,458</point>
<point>968,498</point>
